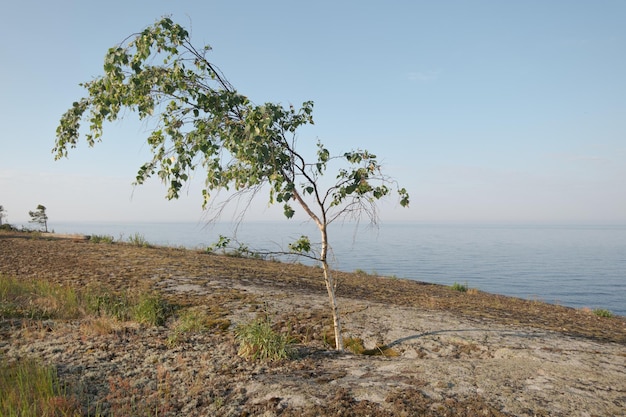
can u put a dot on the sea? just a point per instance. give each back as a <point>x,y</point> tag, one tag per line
<point>576,266</point>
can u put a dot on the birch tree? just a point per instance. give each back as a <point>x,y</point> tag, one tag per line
<point>201,123</point>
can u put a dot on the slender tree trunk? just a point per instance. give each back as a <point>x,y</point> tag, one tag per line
<point>331,287</point>
<point>329,280</point>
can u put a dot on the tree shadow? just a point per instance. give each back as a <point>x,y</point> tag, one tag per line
<point>523,334</point>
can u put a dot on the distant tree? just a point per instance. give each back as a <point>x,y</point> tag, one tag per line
<point>2,214</point>
<point>202,121</point>
<point>39,216</point>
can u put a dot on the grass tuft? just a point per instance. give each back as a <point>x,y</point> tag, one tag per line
<point>600,312</point>
<point>28,388</point>
<point>382,350</point>
<point>258,340</point>
<point>354,345</point>
<point>459,287</point>
<point>151,309</point>
<point>102,302</point>
<point>137,239</point>
<point>101,239</point>
<point>195,320</point>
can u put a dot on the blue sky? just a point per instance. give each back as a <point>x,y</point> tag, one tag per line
<point>486,111</point>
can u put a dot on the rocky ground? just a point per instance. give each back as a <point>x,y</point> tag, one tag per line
<point>446,352</point>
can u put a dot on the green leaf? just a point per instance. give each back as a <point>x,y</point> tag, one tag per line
<point>302,245</point>
<point>404,197</point>
<point>288,211</point>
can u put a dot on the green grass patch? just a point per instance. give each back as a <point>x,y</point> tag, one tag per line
<point>151,309</point>
<point>459,287</point>
<point>382,350</point>
<point>354,345</point>
<point>28,388</point>
<point>102,302</point>
<point>600,312</point>
<point>37,299</point>
<point>138,239</point>
<point>101,239</point>
<point>258,340</point>
<point>197,320</point>
<point>147,308</point>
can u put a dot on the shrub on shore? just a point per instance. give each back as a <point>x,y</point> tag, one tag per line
<point>459,287</point>
<point>137,239</point>
<point>601,312</point>
<point>101,239</point>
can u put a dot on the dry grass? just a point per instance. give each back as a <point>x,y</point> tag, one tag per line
<point>198,319</point>
<point>37,299</point>
<point>98,326</point>
<point>127,399</point>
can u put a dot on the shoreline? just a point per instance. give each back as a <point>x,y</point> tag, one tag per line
<point>526,268</point>
<point>554,299</point>
<point>489,354</point>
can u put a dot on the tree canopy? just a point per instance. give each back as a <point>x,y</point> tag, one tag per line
<point>202,121</point>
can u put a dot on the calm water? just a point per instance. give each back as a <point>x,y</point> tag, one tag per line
<point>577,266</point>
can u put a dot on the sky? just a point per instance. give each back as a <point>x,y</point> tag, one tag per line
<point>486,111</point>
